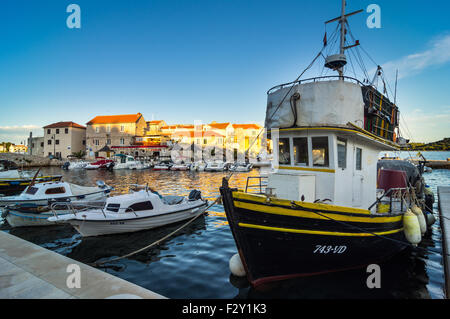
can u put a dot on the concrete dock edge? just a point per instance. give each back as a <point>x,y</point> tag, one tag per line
<point>444,215</point>
<point>28,271</point>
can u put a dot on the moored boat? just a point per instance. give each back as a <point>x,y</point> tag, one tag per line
<point>101,163</point>
<point>322,210</point>
<point>32,207</point>
<point>14,181</point>
<point>144,209</point>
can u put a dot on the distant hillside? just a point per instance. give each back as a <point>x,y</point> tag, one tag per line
<point>442,145</point>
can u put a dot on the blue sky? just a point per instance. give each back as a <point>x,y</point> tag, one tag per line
<point>205,60</point>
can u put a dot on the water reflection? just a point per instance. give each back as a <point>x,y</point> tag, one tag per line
<point>194,262</point>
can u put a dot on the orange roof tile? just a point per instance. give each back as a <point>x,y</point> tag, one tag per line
<point>64,124</point>
<point>247,126</point>
<point>114,119</point>
<point>220,126</point>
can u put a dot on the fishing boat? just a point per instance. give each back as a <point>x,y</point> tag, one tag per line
<point>321,210</point>
<point>101,163</point>
<point>32,206</point>
<point>140,210</point>
<point>13,181</point>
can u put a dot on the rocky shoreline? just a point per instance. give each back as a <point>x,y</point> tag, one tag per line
<point>25,160</point>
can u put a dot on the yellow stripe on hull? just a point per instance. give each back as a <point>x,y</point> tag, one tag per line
<point>306,214</point>
<point>317,232</point>
<point>309,169</point>
<point>284,202</point>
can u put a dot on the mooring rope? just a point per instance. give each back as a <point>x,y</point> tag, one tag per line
<point>97,264</point>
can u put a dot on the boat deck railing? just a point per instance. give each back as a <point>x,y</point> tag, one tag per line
<point>84,207</point>
<point>315,79</point>
<point>396,195</point>
<point>261,184</point>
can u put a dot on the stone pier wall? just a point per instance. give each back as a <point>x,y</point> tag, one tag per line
<point>25,160</point>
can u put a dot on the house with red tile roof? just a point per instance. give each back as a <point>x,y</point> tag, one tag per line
<point>105,133</point>
<point>62,139</point>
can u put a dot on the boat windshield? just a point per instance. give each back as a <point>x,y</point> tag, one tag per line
<point>31,190</point>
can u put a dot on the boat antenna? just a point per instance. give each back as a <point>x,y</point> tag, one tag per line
<point>338,61</point>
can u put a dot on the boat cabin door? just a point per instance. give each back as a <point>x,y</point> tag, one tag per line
<point>358,178</point>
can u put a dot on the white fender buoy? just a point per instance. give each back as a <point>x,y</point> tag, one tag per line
<point>422,222</point>
<point>431,219</point>
<point>411,227</point>
<point>236,266</point>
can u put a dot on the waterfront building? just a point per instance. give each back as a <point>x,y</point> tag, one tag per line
<point>36,146</point>
<point>19,148</point>
<point>62,139</point>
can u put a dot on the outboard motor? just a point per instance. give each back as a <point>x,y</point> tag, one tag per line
<point>110,166</point>
<point>66,165</point>
<point>195,195</point>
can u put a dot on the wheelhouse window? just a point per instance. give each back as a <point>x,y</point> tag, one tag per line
<point>140,206</point>
<point>320,151</point>
<point>55,190</point>
<point>342,152</point>
<point>301,151</point>
<point>358,159</point>
<point>284,152</point>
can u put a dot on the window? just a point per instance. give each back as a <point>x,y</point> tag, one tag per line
<point>49,153</point>
<point>342,152</point>
<point>113,207</point>
<point>97,129</point>
<point>140,206</point>
<point>320,151</point>
<point>57,142</point>
<point>42,144</point>
<point>108,128</point>
<point>66,130</point>
<point>284,151</point>
<point>301,151</point>
<point>49,131</point>
<point>358,158</point>
<point>96,142</point>
<point>49,142</point>
<point>219,140</point>
<point>122,128</point>
<point>56,190</point>
<point>108,141</point>
<point>84,142</point>
<point>32,190</point>
<point>205,141</point>
<point>122,141</point>
<point>57,131</point>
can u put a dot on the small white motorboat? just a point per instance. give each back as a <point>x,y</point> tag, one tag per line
<point>216,166</point>
<point>198,166</point>
<point>161,167</point>
<point>32,206</point>
<point>140,210</point>
<point>241,167</point>
<point>179,167</point>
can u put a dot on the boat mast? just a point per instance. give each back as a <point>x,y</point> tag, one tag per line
<point>342,22</point>
<point>338,61</point>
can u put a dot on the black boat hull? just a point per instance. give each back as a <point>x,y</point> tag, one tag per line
<point>280,239</point>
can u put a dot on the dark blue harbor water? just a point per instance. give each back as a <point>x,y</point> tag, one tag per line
<point>194,262</point>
